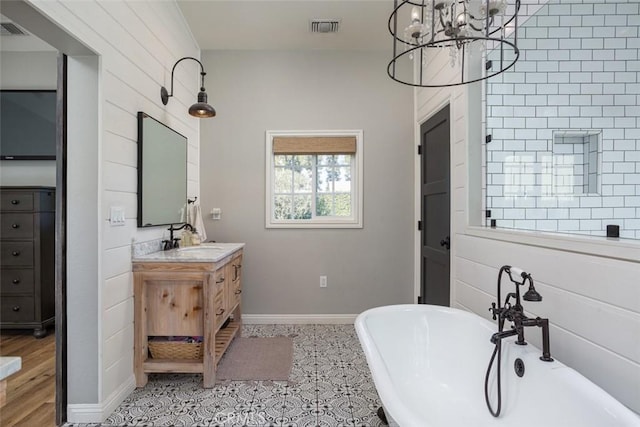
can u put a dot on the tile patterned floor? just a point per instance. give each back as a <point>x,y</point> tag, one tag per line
<point>330,385</point>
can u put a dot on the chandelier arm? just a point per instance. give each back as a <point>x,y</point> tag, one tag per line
<point>480,20</point>
<point>440,15</point>
<point>393,17</point>
<point>510,20</point>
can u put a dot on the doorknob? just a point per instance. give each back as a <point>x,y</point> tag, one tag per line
<point>445,242</point>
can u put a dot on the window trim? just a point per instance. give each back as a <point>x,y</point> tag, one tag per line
<point>355,220</point>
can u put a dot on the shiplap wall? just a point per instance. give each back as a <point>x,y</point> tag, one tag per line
<point>137,44</point>
<point>593,302</point>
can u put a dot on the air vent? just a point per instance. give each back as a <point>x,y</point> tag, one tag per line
<point>11,29</point>
<point>325,25</point>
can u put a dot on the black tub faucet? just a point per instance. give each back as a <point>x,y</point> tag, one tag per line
<point>514,312</point>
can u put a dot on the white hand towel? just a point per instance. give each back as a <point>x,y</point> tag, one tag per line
<point>198,223</point>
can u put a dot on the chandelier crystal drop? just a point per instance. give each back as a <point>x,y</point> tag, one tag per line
<point>461,26</point>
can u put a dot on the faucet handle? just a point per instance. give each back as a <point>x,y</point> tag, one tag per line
<point>493,311</point>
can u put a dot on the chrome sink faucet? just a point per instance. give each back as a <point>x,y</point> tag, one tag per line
<point>514,312</point>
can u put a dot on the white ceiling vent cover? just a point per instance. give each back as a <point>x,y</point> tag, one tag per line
<point>325,25</point>
<point>11,29</point>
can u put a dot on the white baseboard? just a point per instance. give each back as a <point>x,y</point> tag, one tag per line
<point>99,412</point>
<point>298,319</point>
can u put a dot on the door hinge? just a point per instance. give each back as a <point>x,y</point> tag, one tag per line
<point>488,65</point>
<point>419,299</point>
<point>487,213</point>
<point>488,138</point>
<point>419,225</point>
<point>419,150</point>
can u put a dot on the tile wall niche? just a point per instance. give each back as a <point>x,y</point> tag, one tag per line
<point>574,95</point>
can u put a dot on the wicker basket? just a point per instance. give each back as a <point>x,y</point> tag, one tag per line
<point>175,350</point>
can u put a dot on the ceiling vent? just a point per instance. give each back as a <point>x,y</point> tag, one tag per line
<point>325,25</point>
<point>11,29</point>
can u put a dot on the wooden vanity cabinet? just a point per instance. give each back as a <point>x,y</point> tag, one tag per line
<point>186,299</point>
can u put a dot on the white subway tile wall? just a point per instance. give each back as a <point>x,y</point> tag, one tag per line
<point>565,121</point>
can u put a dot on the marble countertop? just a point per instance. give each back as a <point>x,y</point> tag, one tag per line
<point>206,252</point>
<point>9,365</point>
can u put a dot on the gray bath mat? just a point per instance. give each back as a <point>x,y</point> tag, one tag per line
<point>257,359</point>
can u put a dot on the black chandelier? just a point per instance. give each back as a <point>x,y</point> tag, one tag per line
<point>462,26</point>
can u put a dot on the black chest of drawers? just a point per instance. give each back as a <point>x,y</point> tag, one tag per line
<point>27,258</point>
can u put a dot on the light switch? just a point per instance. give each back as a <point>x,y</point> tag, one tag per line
<point>216,213</point>
<point>116,216</point>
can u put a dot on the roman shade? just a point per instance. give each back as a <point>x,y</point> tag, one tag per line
<point>314,144</point>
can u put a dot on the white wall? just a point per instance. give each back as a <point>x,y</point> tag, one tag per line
<point>137,43</point>
<point>28,70</point>
<point>592,301</point>
<point>255,91</point>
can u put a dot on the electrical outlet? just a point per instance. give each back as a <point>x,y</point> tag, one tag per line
<point>323,281</point>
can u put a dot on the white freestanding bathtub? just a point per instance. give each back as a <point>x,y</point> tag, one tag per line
<point>429,363</point>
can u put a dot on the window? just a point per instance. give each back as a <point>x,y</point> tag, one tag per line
<point>314,179</point>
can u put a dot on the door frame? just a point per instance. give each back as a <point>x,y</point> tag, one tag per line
<point>29,17</point>
<point>61,244</point>
<point>447,99</point>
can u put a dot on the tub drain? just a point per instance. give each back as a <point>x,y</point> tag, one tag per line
<point>518,366</point>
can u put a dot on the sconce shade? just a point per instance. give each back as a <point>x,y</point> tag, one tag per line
<point>200,109</point>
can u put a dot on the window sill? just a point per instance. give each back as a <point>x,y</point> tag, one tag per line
<point>314,225</point>
<point>621,249</point>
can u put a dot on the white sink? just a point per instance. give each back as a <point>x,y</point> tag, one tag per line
<point>200,248</point>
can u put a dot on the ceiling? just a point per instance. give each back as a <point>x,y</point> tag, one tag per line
<point>268,25</point>
<point>21,43</point>
<point>285,25</point>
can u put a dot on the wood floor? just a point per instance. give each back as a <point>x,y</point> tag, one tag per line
<point>30,392</point>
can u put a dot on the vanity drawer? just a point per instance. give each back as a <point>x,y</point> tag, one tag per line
<point>17,309</point>
<point>16,201</point>
<point>16,281</point>
<point>236,293</point>
<point>220,309</point>
<point>16,254</point>
<point>16,226</point>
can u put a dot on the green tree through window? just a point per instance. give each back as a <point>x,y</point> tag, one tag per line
<point>308,186</point>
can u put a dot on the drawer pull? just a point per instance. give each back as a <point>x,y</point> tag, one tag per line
<point>15,202</point>
<point>220,312</point>
<point>15,253</point>
<point>15,225</point>
<point>16,308</point>
<point>220,280</point>
<point>15,281</point>
<point>239,291</point>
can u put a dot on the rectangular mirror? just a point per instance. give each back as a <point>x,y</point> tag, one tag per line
<point>162,173</point>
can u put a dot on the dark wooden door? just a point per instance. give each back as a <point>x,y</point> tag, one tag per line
<point>435,211</point>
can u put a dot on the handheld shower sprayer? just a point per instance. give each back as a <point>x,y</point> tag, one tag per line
<point>517,275</point>
<point>531,294</point>
<point>520,277</point>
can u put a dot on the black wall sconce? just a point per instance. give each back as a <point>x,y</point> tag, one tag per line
<point>200,109</point>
